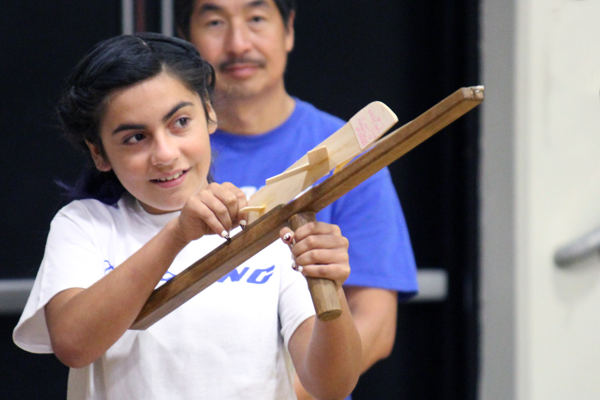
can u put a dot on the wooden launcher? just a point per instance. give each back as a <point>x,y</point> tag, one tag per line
<point>272,207</point>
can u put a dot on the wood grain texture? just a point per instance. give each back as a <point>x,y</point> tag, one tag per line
<point>265,230</point>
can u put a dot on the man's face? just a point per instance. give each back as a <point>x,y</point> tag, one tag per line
<point>246,42</point>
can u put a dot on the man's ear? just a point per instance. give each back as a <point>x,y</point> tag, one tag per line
<point>212,119</point>
<point>289,35</point>
<point>101,163</point>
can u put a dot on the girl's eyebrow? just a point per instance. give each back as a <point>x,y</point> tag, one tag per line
<point>128,127</point>
<point>179,105</point>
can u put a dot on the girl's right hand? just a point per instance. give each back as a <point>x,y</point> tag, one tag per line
<point>214,210</point>
<point>320,249</point>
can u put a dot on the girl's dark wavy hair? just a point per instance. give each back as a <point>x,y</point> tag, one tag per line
<point>114,64</point>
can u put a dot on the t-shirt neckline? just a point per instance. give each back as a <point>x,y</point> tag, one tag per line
<point>263,138</point>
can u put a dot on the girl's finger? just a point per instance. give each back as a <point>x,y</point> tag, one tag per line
<point>233,199</point>
<point>287,235</point>
<point>335,272</point>
<point>228,200</point>
<point>322,257</point>
<point>316,228</point>
<point>214,213</point>
<point>242,201</point>
<point>316,242</point>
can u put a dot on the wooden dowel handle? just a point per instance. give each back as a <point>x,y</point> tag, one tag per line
<point>323,292</point>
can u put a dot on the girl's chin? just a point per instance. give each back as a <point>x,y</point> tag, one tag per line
<point>159,209</point>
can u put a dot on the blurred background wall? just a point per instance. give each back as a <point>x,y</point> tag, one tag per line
<point>487,203</point>
<point>540,192</point>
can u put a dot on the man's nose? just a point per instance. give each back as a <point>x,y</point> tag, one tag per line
<point>239,38</point>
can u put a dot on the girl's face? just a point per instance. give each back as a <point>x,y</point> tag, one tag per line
<point>155,137</point>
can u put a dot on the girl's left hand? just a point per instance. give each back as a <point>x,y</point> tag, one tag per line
<point>213,210</point>
<point>319,250</point>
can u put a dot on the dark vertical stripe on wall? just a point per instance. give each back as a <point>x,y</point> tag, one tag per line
<point>140,15</point>
<point>153,16</point>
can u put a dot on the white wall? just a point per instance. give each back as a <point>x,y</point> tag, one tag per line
<point>540,185</point>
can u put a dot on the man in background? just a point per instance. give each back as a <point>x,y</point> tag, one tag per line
<point>263,130</point>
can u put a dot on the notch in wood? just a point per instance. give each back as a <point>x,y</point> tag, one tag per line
<point>315,157</point>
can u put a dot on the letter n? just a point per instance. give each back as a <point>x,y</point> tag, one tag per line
<point>234,275</point>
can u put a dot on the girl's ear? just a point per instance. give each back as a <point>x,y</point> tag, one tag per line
<point>212,119</point>
<point>101,163</point>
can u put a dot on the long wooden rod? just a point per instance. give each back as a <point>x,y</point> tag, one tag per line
<point>265,230</point>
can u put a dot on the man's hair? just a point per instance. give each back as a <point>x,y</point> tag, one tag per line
<point>184,9</point>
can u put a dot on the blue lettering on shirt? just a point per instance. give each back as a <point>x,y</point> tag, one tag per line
<point>256,274</point>
<point>234,275</point>
<point>167,276</point>
<point>109,268</point>
<point>258,277</point>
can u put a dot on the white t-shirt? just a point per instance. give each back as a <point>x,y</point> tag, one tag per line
<point>228,342</point>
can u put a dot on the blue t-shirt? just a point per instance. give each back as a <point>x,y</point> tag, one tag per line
<point>369,216</point>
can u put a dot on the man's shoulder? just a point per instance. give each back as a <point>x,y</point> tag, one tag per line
<point>309,109</point>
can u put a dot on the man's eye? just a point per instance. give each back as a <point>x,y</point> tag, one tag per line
<point>214,22</point>
<point>134,138</point>
<point>181,122</point>
<point>257,18</point>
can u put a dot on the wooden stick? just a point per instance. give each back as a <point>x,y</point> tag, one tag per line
<point>265,230</point>
<point>323,291</point>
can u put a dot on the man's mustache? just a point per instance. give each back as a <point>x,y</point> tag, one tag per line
<point>246,61</point>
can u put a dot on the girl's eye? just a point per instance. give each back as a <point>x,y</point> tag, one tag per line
<point>182,122</point>
<point>134,138</point>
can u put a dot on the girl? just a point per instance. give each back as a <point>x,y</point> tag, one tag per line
<point>139,105</point>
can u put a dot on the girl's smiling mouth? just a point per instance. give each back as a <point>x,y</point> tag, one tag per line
<point>172,180</point>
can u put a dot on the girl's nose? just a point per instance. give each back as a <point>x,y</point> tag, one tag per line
<point>164,150</point>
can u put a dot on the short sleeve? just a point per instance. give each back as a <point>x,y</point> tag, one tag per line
<point>295,303</point>
<point>71,260</point>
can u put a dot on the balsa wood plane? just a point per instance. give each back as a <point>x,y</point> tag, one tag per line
<point>358,133</point>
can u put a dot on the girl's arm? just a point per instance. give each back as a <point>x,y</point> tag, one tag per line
<point>327,355</point>
<point>84,323</point>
